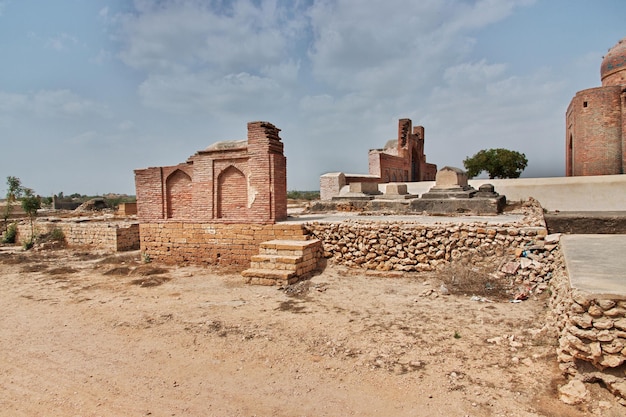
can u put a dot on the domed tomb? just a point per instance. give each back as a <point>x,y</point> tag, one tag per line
<point>613,68</point>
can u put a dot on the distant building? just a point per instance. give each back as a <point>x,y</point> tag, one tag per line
<point>401,160</point>
<point>596,121</point>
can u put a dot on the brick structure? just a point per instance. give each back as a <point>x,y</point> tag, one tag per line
<point>401,160</point>
<point>596,121</point>
<point>219,205</point>
<point>232,181</point>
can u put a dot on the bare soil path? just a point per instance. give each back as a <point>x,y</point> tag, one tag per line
<point>85,334</point>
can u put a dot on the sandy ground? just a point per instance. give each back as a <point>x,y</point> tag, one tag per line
<point>84,334</point>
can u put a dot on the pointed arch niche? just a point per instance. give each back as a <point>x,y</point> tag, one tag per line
<point>232,194</point>
<point>178,197</point>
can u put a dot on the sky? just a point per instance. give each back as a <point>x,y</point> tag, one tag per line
<point>92,89</point>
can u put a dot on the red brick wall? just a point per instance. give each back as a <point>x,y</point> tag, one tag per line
<point>594,132</point>
<point>232,194</point>
<point>179,195</point>
<point>149,191</point>
<point>408,163</point>
<point>227,182</point>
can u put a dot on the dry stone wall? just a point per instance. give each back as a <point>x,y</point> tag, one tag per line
<point>408,247</point>
<point>592,335</point>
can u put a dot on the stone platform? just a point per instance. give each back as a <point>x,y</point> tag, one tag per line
<point>596,263</point>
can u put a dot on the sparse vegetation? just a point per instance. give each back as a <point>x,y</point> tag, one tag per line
<point>303,195</point>
<point>10,234</point>
<point>146,258</point>
<point>462,278</point>
<point>30,204</point>
<point>14,191</point>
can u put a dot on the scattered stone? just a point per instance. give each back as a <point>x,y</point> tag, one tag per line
<point>574,392</point>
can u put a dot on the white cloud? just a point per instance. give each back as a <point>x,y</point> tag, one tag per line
<point>203,92</point>
<point>60,42</point>
<point>371,48</point>
<point>184,35</point>
<point>493,109</point>
<point>51,103</point>
<point>126,125</point>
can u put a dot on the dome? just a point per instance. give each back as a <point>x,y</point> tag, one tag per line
<point>613,69</point>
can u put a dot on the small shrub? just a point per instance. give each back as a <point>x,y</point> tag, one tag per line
<point>28,244</point>
<point>10,234</point>
<point>57,235</point>
<point>457,335</point>
<point>146,258</point>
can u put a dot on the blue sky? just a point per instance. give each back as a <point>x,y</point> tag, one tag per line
<point>92,89</point>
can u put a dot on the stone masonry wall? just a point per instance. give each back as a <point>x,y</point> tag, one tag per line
<point>592,335</point>
<point>211,243</point>
<point>401,246</point>
<point>112,236</point>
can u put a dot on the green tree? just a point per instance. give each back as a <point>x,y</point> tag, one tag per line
<point>14,191</point>
<point>30,204</point>
<point>499,163</point>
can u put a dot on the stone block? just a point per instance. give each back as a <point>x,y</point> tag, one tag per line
<point>364,188</point>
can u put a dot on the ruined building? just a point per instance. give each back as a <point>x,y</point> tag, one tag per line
<point>401,160</point>
<point>218,205</point>
<point>596,121</point>
<point>230,181</point>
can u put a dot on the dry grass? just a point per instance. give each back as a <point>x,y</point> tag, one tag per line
<point>464,278</point>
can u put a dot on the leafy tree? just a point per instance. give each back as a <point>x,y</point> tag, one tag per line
<point>30,204</point>
<point>499,163</point>
<point>14,191</point>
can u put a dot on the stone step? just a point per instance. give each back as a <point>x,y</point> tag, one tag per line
<point>287,247</point>
<point>262,276</point>
<point>283,262</point>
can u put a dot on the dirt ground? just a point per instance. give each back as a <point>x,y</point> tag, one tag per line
<point>88,334</point>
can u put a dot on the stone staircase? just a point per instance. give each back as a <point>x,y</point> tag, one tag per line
<point>284,262</point>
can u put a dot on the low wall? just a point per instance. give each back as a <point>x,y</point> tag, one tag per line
<point>402,246</point>
<point>210,243</point>
<point>112,236</point>
<point>592,335</point>
<point>592,193</point>
<point>589,193</point>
